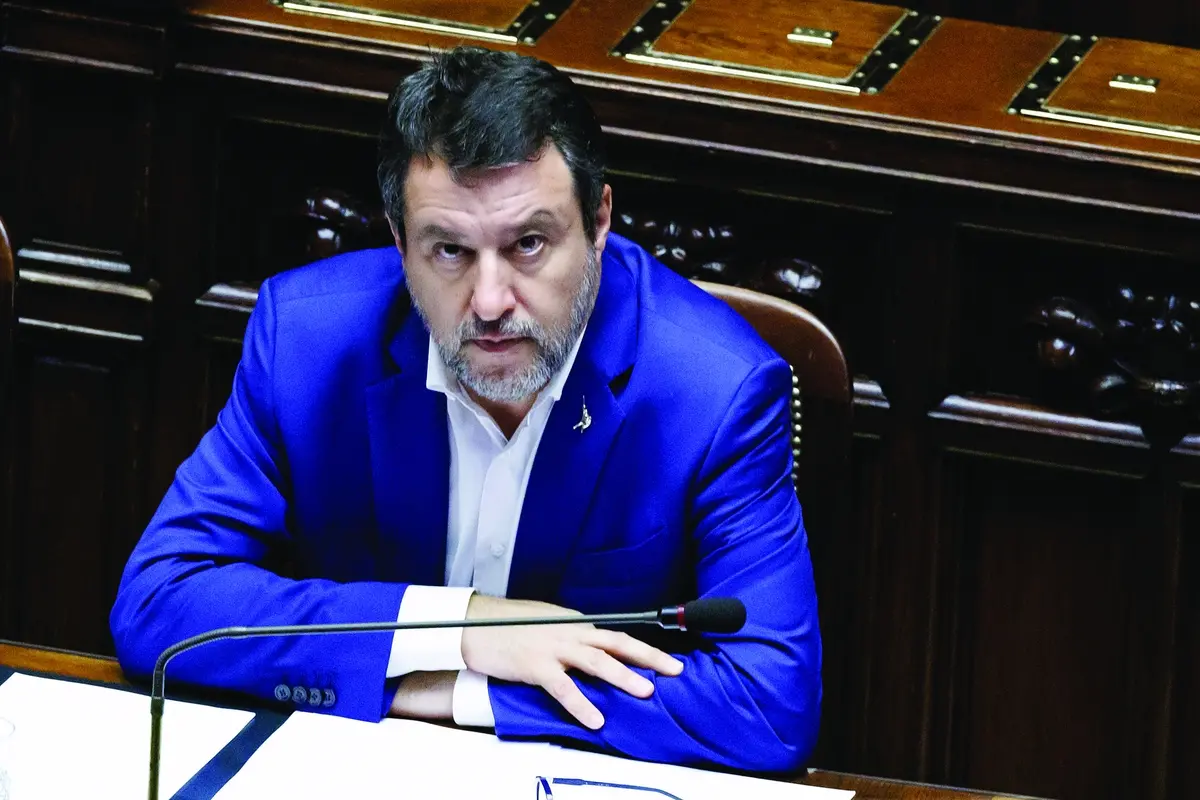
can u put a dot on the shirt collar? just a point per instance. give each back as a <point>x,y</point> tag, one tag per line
<point>439,378</point>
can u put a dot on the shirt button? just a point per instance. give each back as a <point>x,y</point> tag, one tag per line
<point>498,550</point>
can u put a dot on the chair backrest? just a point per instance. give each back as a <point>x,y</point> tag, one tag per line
<point>822,435</point>
<point>818,365</point>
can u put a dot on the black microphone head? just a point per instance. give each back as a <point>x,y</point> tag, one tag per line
<point>715,615</point>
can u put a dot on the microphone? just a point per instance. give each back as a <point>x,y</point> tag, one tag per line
<point>706,615</point>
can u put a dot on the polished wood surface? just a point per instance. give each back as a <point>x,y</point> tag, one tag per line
<point>958,84</point>
<point>1175,101</point>
<point>1013,300</point>
<point>486,13</point>
<point>755,32</point>
<point>64,663</point>
<point>1167,21</point>
<point>67,664</point>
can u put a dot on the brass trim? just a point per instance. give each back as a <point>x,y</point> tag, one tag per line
<point>1135,83</point>
<point>1115,124</point>
<point>817,36</point>
<point>1033,101</point>
<point>712,68</point>
<point>537,17</point>
<point>870,76</point>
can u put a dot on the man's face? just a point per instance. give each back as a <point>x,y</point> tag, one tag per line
<point>501,270</point>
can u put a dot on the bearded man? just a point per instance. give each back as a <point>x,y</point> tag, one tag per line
<point>512,413</point>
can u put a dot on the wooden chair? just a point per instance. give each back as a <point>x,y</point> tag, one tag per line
<point>819,368</point>
<point>822,402</point>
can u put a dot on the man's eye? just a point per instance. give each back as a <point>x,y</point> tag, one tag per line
<point>530,245</point>
<point>447,251</point>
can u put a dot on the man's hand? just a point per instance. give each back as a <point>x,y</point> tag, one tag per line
<point>540,655</point>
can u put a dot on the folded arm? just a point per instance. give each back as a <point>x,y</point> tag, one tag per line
<point>750,700</point>
<point>203,562</point>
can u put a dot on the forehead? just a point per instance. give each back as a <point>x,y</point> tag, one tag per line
<point>489,198</point>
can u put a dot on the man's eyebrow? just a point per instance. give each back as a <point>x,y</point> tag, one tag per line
<point>435,231</point>
<point>543,217</point>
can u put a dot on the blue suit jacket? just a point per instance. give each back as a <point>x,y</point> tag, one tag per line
<point>332,455</point>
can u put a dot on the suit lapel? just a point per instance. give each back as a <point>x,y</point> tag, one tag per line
<point>568,463</point>
<point>410,464</point>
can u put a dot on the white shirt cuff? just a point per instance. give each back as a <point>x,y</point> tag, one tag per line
<point>472,705</point>
<point>431,649</point>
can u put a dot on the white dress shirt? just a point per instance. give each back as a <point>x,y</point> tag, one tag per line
<point>487,471</point>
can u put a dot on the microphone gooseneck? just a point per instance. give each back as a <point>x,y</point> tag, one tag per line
<point>714,615</point>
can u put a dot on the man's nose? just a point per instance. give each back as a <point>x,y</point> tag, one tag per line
<point>492,296</point>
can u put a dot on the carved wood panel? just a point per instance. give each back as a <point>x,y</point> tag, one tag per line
<point>89,132</point>
<point>1184,778</point>
<point>1062,647</point>
<point>78,499</point>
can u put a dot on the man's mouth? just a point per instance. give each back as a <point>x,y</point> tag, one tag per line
<point>497,345</point>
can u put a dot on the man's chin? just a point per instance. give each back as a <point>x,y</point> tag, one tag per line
<point>499,384</point>
<point>501,391</point>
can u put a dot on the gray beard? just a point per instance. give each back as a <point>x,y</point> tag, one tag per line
<point>551,345</point>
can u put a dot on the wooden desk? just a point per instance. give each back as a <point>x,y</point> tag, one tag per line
<point>106,670</point>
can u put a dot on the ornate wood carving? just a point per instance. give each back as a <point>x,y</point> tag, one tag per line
<point>321,224</point>
<point>326,222</point>
<point>714,252</point>
<point>1137,357</point>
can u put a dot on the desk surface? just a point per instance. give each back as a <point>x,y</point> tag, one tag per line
<point>106,670</point>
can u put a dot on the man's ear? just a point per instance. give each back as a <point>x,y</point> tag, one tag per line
<point>396,236</point>
<point>603,218</point>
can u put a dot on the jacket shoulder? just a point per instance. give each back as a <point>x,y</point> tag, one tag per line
<point>683,321</point>
<point>363,271</point>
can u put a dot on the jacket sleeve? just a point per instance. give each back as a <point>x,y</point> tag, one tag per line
<point>202,564</point>
<point>750,700</point>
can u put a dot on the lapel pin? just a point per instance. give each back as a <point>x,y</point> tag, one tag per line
<point>585,421</point>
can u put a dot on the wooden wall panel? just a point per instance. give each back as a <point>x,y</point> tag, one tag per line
<point>78,493</point>
<point>1024,632</point>
<point>81,152</point>
<point>1185,725</point>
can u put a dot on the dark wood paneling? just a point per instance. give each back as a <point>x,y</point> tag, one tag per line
<point>78,497</point>
<point>1061,647</point>
<point>81,154</point>
<point>1185,730</point>
<point>81,40</point>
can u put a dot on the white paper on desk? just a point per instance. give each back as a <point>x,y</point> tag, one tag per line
<point>326,757</point>
<point>683,782</point>
<point>78,740</point>
<point>320,757</point>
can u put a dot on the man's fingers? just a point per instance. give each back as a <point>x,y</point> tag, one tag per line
<point>560,686</point>
<point>596,662</point>
<point>633,651</point>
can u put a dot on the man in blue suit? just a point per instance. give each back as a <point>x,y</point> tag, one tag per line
<point>512,413</point>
